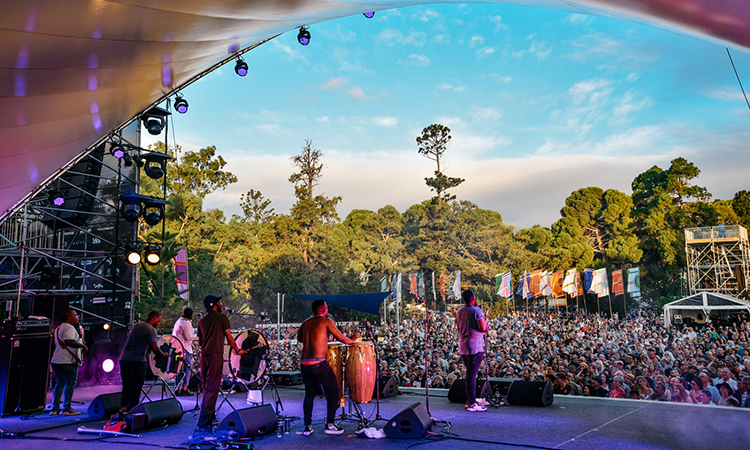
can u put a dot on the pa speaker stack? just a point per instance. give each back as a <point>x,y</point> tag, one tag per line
<point>251,422</point>
<point>530,393</point>
<point>411,423</point>
<point>160,412</point>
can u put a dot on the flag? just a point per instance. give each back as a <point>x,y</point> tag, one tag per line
<point>523,285</point>
<point>420,285</point>
<point>450,286</point>
<point>556,283</point>
<point>569,283</point>
<point>457,286</point>
<point>502,283</point>
<point>434,295</point>
<point>617,287</point>
<point>535,279</point>
<point>362,277</point>
<point>398,289</point>
<point>413,284</point>
<point>634,282</point>
<point>181,273</point>
<point>588,277</point>
<point>599,283</point>
<point>544,285</point>
<point>579,285</point>
<point>442,286</point>
<point>383,284</point>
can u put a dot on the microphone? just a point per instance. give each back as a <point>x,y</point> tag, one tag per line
<point>230,310</point>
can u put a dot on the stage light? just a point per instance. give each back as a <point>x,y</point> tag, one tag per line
<point>106,327</point>
<point>133,254</point>
<point>181,105</point>
<point>56,197</point>
<point>127,160</point>
<point>152,216</point>
<point>241,67</point>
<point>155,119</point>
<point>131,207</point>
<point>117,150</point>
<point>138,160</point>
<point>369,15</point>
<point>156,164</point>
<point>108,365</point>
<point>153,255</point>
<point>303,37</point>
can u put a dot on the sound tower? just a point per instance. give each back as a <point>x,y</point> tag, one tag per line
<point>530,393</point>
<point>160,412</point>
<point>104,405</point>
<point>457,391</point>
<point>251,422</point>
<point>411,423</point>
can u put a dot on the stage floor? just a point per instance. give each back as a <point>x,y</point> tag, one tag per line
<point>570,423</point>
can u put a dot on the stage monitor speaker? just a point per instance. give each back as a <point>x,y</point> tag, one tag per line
<point>104,405</point>
<point>499,387</point>
<point>251,422</point>
<point>159,412</point>
<point>24,372</point>
<point>388,387</point>
<point>530,393</point>
<point>287,378</point>
<point>411,423</point>
<point>457,391</point>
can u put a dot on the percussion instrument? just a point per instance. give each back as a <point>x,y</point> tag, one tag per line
<point>361,371</point>
<point>168,368</point>
<point>335,358</point>
<point>250,366</point>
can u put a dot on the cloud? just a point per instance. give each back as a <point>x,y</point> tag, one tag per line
<point>390,37</point>
<point>450,87</point>
<point>728,94</point>
<point>358,94</point>
<point>476,40</point>
<point>426,15</point>
<point>590,90</point>
<point>324,119</point>
<point>579,19</point>
<point>417,60</point>
<point>334,84</point>
<point>628,105</point>
<point>288,53</point>
<point>489,114</point>
<point>539,48</point>
<point>498,22</point>
<point>386,121</point>
<point>485,51</point>
<point>416,38</point>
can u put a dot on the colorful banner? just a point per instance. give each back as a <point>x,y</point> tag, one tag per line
<point>552,302</point>
<point>544,284</point>
<point>523,286</point>
<point>181,273</point>
<point>413,284</point>
<point>569,283</point>
<point>442,286</point>
<point>502,285</point>
<point>599,283</point>
<point>634,282</point>
<point>588,277</point>
<point>535,279</point>
<point>617,287</point>
<point>457,286</point>
<point>556,283</point>
<point>420,285</point>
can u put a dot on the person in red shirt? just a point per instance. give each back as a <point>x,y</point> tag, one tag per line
<point>616,390</point>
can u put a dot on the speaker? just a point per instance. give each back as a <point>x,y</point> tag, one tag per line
<point>104,405</point>
<point>388,387</point>
<point>530,393</point>
<point>457,391</point>
<point>159,412</point>
<point>287,378</point>
<point>499,387</point>
<point>24,372</point>
<point>251,422</point>
<point>411,423</point>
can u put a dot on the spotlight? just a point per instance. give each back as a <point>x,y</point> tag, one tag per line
<point>131,206</point>
<point>117,150</point>
<point>241,67</point>
<point>156,164</point>
<point>127,160</point>
<point>138,160</point>
<point>106,327</point>
<point>132,254</point>
<point>153,255</point>
<point>369,15</point>
<point>303,37</point>
<point>108,365</point>
<point>56,197</point>
<point>181,105</point>
<point>155,120</point>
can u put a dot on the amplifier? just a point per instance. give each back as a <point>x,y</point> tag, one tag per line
<point>25,326</point>
<point>287,378</point>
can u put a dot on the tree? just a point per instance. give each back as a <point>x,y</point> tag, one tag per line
<point>256,208</point>
<point>432,145</point>
<point>741,207</point>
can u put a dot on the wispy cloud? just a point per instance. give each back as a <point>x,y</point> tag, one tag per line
<point>485,51</point>
<point>426,15</point>
<point>498,22</point>
<point>288,53</point>
<point>450,87</point>
<point>334,84</point>
<point>417,60</point>
<point>475,41</point>
<point>386,121</point>
<point>358,94</point>
<point>578,19</point>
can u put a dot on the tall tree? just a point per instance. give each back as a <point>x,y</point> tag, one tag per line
<point>432,144</point>
<point>741,207</point>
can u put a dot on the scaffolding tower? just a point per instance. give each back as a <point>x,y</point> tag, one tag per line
<point>718,260</point>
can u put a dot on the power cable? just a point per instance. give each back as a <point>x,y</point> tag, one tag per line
<point>738,77</point>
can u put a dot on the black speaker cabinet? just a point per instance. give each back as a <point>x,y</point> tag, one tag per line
<point>411,423</point>
<point>104,405</point>
<point>159,412</point>
<point>24,372</point>
<point>457,391</point>
<point>287,378</point>
<point>251,422</point>
<point>499,387</point>
<point>388,387</point>
<point>530,393</point>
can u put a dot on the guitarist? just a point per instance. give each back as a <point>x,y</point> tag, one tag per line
<point>69,344</point>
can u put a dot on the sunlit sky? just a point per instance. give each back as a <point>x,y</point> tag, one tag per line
<point>540,103</point>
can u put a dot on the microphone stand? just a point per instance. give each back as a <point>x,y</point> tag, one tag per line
<point>371,332</point>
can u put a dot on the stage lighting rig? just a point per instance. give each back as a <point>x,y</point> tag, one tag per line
<point>155,164</point>
<point>369,15</point>
<point>181,105</point>
<point>117,150</point>
<point>134,206</point>
<point>303,37</point>
<point>56,197</point>
<point>132,253</point>
<point>240,67</point>
<point>155,119</point>
<point>153,254</point>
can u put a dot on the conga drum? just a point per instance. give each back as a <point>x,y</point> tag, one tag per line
<point>335,358</point>
<point>361,371</point>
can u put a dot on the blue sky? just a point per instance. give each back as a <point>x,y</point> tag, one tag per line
<point>540,103</point>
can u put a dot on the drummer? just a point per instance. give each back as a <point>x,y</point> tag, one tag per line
<point>313,333</point>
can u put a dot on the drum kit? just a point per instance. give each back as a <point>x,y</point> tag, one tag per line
<point>355,367</point>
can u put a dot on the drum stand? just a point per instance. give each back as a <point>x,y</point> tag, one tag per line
<point>225,394</point>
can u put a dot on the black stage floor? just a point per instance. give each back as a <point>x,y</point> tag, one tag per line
<point>570,423</point>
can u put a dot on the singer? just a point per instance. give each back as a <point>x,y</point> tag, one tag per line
<point>471,326</point>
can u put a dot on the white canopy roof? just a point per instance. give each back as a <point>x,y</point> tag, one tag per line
<point>72,71</point>
<point>705,302</point>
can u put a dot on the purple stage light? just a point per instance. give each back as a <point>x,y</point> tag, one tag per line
<point>181,105</point>
<point>303,37</point>
<point>240,68</point>
<point>119,153</point>
<point>58,201</point>
<point>369,15</point>
<point>108,365</point>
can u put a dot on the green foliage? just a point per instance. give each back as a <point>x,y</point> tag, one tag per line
<point>432,145</point>
<point>741,207</point>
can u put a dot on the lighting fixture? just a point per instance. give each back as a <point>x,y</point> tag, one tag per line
<point>153,255</point>
<point>106,326</point>
<point>108,365</point>
<point>241,67</point>
<point>117,150</point>
<point>181,105</point>
<point>156,164</point>
<point>369,15</point>
<point>155,119</point>
<point>56,197</point>
<point>131,207</point>
<point>303,37</point>
<point>132,254</point>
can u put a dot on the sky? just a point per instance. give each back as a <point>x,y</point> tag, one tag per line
<point>540,103</point>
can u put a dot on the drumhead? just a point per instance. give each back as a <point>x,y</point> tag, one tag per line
<point>250,366</point>
<point>166,369</point>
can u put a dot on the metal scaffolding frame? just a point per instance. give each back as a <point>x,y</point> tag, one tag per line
<point>718,260</point>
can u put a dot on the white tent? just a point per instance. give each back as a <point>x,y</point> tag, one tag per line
<point>699,307</point>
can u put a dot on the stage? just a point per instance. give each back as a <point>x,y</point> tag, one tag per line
<point>570,423</point>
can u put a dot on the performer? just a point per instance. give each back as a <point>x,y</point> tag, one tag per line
<point>133,359</point>
<point>213,328</point>
<point>183,330</point>
<point>471,328</point>
<point>313,333</point>
<point>65,361</point>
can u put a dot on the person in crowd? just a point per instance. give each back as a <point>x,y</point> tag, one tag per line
<point>68,354</point>
<point>213,329</point>
<point>726,392</point>
<point>133,359</point>
<point>617,391</point>
<point>679,394</point>
<point>471,325</point>
<point>725,376</point>
<point>743,392</point>
<point>643,387</point>
<point>183,330</point>
<point>696,388</point>
<point>596,388</point>
<point>313,334</point>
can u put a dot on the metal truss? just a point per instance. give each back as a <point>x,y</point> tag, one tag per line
<point>718,260</point>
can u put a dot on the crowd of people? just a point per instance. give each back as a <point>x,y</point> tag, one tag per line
<point>637,358</point>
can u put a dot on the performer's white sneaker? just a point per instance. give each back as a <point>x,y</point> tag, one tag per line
<point>308,430</point>
<point>331,428</point>
<point>476,407</point>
